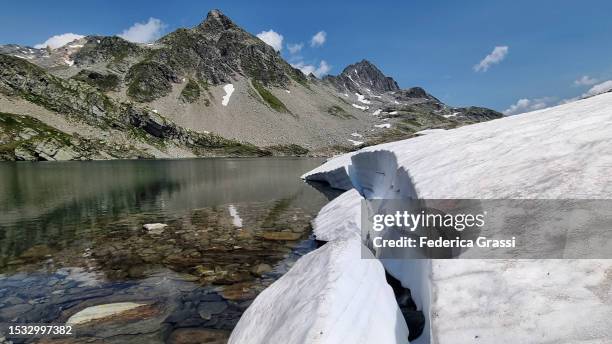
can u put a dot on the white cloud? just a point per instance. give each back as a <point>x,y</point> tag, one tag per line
<point>58,40</point>
<point>495,57</point>
<point>295,48</point>
<point>585,80</point>
<point>600,88</point>
<point>526,105</point>
<point>272,38</point>
<point>318,39</point>
<point>603,87</point>
<point>319,71</point>
<point>144,32</point>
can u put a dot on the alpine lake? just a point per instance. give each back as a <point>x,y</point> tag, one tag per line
<point>148,251</point>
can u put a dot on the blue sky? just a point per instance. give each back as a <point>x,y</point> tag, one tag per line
<point>549,45</point>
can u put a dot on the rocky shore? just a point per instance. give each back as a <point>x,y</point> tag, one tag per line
<point>187,279</point>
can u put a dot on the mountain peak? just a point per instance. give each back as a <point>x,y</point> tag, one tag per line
<point>216,20</point>
<point>364,75</point>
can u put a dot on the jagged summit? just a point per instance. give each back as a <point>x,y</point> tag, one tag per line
<point>217,21</point>
<point>363,76</point>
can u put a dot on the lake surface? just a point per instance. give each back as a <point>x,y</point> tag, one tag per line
<point>72,237</point>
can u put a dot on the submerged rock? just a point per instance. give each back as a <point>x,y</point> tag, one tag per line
<point>102,311</point>
<point>197,336</point>
<point>208,309</point>
<point>261,269</point>
<point>155,228</point>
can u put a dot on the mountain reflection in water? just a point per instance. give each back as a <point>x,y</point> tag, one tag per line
<point>72,237</point>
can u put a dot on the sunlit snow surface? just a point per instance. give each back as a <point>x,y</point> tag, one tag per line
<point>430,131</point>
<point>229,89</point>
<point>361,98</point>
<point>330,296</point>
<point>560,152</point>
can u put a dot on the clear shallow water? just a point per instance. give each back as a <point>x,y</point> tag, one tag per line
<point>71,237</point>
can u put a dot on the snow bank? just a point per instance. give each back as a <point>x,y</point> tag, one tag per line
<point>229,89</point>
<point>560,152</point>
<point>385,125</point>
<point>339,218</point>
<point>329,296</point>
<point>360,107</point>
<point>361,98</point>
<point>430,131</point>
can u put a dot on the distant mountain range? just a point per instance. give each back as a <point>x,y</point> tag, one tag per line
<point>212,90</point>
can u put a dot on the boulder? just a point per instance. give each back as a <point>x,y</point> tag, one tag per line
<point>155,228</point>
<point>102,311</point>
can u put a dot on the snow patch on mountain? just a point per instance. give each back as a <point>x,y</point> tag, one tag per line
<point>229,89</point>
<point>384,125</point>
<point>361,98</point>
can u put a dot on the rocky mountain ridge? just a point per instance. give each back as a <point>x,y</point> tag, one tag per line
<point>213,89</point>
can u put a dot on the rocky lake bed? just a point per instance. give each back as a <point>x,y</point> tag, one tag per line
<point>155,276</point>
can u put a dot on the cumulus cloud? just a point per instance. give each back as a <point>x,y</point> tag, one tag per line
<point>318,39</point>
<point>144,32</point>
<point>603,87</point>
<point>272,38</point>
<point>495,57</point>
<point>58,40</point>
<point>295,48</point>
<point>319,71</point>
<point>585,80</point>
<point>526,105</point>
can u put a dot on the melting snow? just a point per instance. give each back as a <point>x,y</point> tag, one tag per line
<point>393,113</point>
<point>360,107</point>
<point>385,125</point>
<point>356,135</point>
<point>287,91</point>
<point>361,99</point>
<point>540,155</point>
<point>69,62</point>
<point>355,143</point>
<point>331,295</point>
<point>429,131</point>
<point>229,89</point>
<point>377,112</point>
